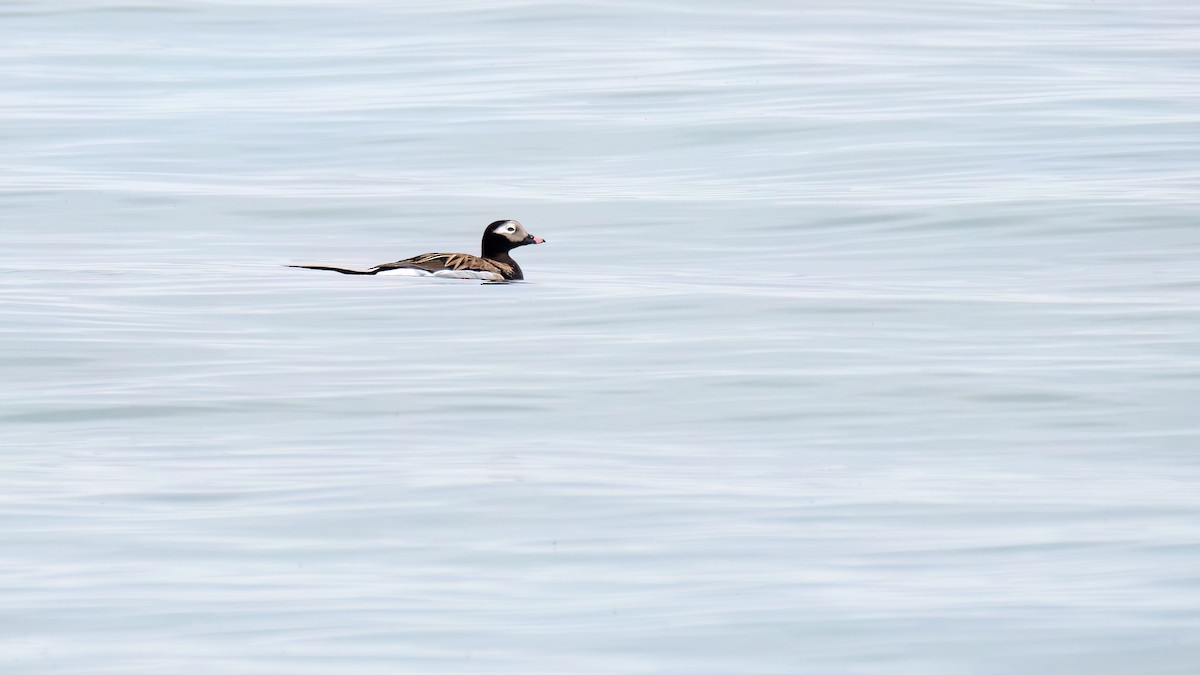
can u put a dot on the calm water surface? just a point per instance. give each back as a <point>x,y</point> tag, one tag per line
<point>865,339</point>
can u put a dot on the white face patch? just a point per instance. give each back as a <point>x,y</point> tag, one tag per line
<point>510,230</point>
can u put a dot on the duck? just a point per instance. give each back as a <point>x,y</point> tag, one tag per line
<point>495,263</point>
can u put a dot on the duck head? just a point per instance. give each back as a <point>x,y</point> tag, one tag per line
<point>503,236</point>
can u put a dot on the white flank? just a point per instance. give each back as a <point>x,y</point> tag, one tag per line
<point>405,272</point>
<point>468,274</point>
<point>445,274</point>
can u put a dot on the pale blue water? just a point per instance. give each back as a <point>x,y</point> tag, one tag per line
<point>865,339</point>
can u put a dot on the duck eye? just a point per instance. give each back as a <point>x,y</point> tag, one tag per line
<point>510,229</point>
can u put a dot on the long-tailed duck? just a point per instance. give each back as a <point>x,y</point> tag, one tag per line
<point>495,264</point>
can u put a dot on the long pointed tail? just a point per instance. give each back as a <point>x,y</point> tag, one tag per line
<point>333,269</point>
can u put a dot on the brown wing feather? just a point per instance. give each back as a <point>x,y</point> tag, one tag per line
<point>432,262</point>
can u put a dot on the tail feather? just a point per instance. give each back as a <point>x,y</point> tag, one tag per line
<point>333,269</point>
